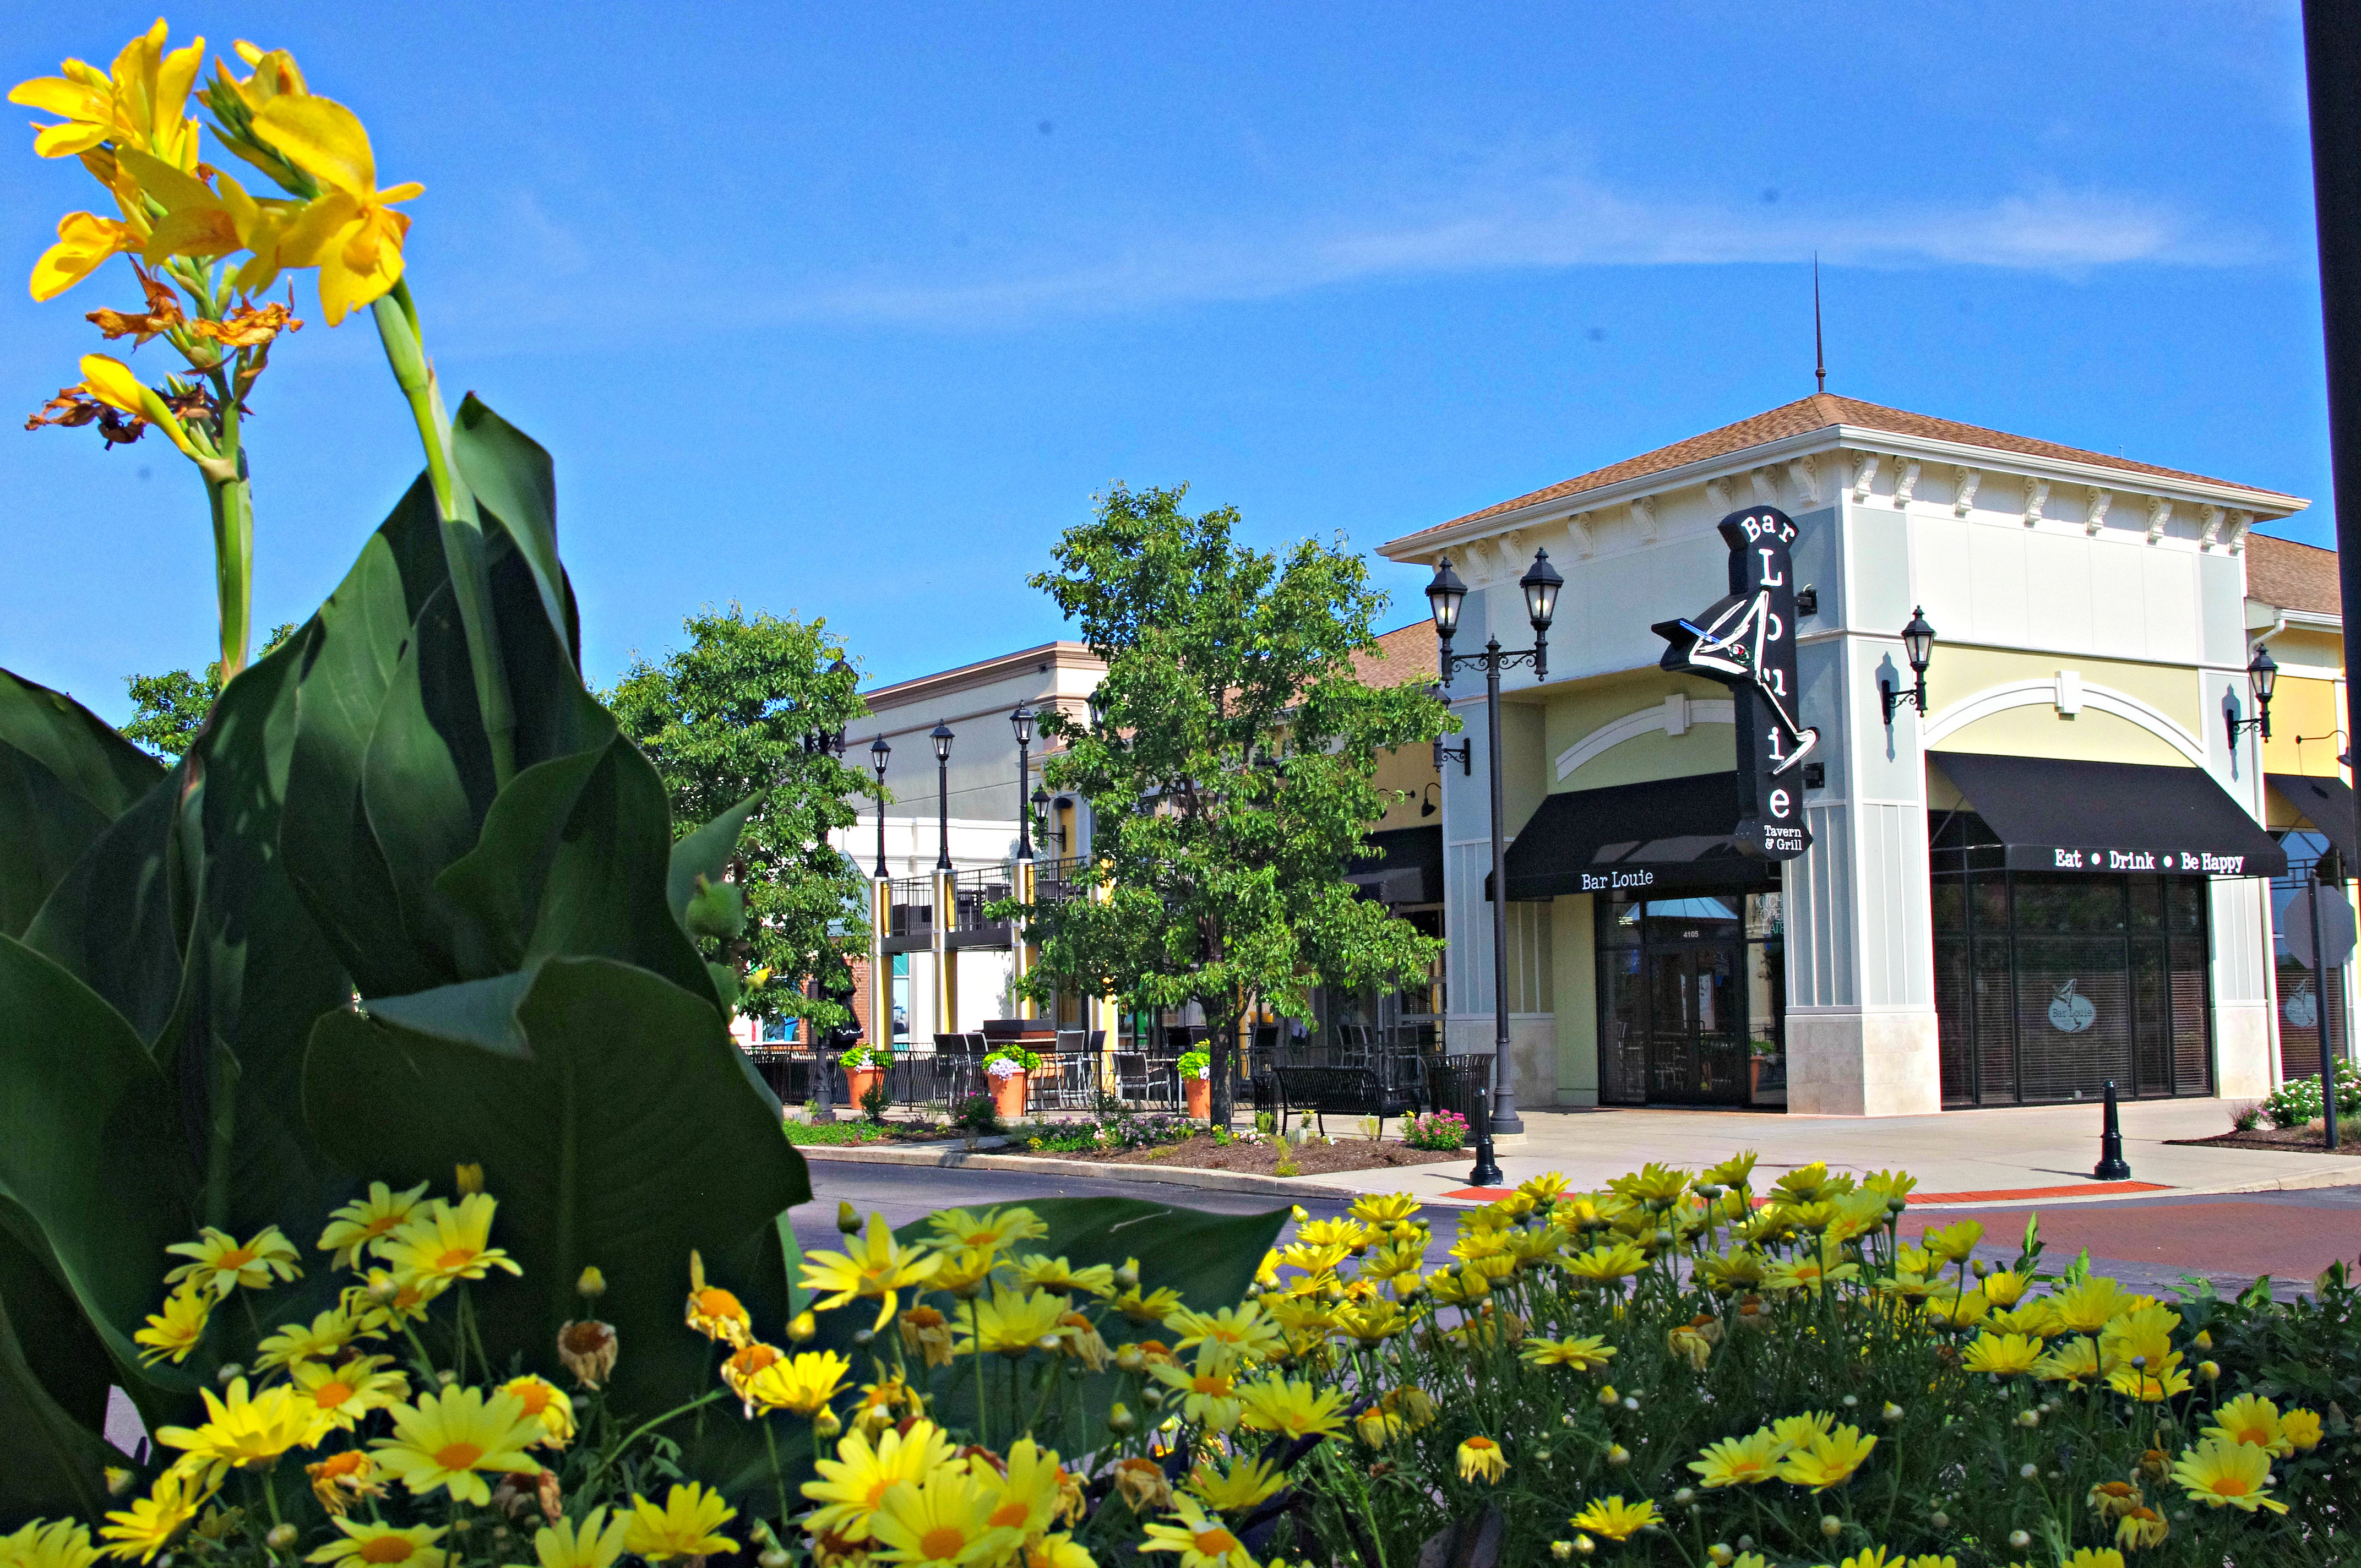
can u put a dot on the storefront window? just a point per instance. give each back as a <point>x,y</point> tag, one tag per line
<point>1692,997</point>
<point>2307,1004</point>
<point>2048,985</point>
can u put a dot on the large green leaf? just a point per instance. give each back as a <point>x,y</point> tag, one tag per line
<point>705,853</point>
<point>118,919</point>
<point>615,1121</point>
<point>97,1181</point>
<point>64,775</point>
<point>515,484</point>
<point>333,858</point>
<point>53,1384</point>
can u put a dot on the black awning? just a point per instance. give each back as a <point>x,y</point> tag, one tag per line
<point>2054,815</point>
<point>1404,866</point>
<point>1667,834</point>
<point>2326,804</point>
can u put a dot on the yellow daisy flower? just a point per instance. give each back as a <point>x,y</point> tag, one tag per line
<point>391,1300</point>
<point>148,1526</point>
<point>447,1242</point>
<point>985,1230</point>
<point>344,1394</point>
<point>2091,1305</point>
<point>1384,1208</point>
<point>1202,1542</point>
<point>178,1328</point>
<point>1057,1552</point>
<point>740,1366</point>
<point>1240,1486</point>
<point>715,1312</point>
<point>1026,1496</point>
<point>451,1440</point>
<point>1057,1274</point>
<point>547,1403</point>
<point>382,1546</point>
<point>1210,1393</point>
<point>595,1543</point>
<point>1615,1519</point>
<point>1292,1407</point>
<point>1009,1323</point>
<point>2094,1557</point>
<point>1802,1431</point>
<point>2140,1530</point>
<point>49,1543</point>
<point>2007,1288</point>
<point>802,1384</point>
<point>2074,1361</point>
<point>1248,1329</point>
<point>944,1519</point>
<point>1954,1244</point>
<point>364,1220</point>
<point>2153,1384</point>
<point>685,1526</point>
<point>1828,1460</point>
<point>321,1339</point>
<point>853,1484</point>
<point>2302,1428</point>
<point>874,1268</point>
<point>1480,1459</point>
<point>221,1263</point>
<point>242,1430</point>
<point>2035,1320</point>
<point>2003,1356</point>
<point>2251,1418</point>
<point>1746,1461</point>
<point>1141,1307</point>
<point>2220,1473</point>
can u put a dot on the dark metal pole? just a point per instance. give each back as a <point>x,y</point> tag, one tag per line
<point>880,823</point>
<point>2111,1166</point>
<point>2320,1002</point>
<point>943,811</point>
<point>1024,807</point>
<point>2331,59</point>
<point>1503,1106</point>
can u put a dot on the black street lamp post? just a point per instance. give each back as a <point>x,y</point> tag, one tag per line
<point>942,737</point>
<point>1022,722</point>
<point>878,751</point>
<point>1919,647</point>
<point>2262,676</point>
<point>1541,584</point>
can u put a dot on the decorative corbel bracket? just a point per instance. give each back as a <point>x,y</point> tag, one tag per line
<point>2239,523</point>
<point>1970,479</point>
<point>1805,472</point>
<point>1765,481</point>
<point>1864,474</point>
<point>1905,479</point>
<point>1716,495</point>
<point>2159,513</point>
<point>2096,517</point>
<point>2208,531</point>
<point>1643,512</point>
<point>2036,496</point>
<point>1578,531</point>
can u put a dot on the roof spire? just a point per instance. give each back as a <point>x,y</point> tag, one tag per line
<point>1820,358</point>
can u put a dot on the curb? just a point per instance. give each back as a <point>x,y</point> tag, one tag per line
<point>2304,1183</point>
<point>949,1157</point>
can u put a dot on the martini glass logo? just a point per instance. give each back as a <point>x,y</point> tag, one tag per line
<point>2302,1009</point>
<point>2070,1011</point>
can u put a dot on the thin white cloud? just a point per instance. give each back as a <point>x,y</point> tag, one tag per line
<point>1558,222</point>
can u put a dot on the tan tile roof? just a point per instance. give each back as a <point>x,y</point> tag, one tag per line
<point>2288,576</point>
<point>1408,654</point>
<point>1820,412</point>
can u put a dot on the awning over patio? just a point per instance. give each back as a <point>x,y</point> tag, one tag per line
<point>2052,814</point>
<point>2326,804</point>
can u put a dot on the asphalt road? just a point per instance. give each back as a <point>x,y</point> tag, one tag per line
<point>2149,1243</point>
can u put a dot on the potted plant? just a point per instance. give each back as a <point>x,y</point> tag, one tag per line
<point>865,1069</point>
<point>1196,1068</point>
<point>1764,1061</point>
<point>1011,1070</point>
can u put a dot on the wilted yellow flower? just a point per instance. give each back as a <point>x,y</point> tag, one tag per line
<point>2141,1528</point>
<point>1143,1484</point>
<point>925,1332</point>
<point>547,1403</point>
<point>1480,1459</point>
<point>587,1347</point>
<point>342,1479</point>
<point>713,1312</point>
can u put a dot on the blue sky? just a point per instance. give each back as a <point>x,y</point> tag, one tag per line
<point>848,310</point>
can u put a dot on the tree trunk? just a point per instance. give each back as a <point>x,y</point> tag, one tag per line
<point>1219,1043</point>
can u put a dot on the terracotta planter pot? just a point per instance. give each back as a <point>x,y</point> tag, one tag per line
<point>1009,1095</point>
<point>860,1080</point>
<point>1197,1095</point>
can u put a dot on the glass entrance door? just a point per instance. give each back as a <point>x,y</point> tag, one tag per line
<point>1696,1028</point>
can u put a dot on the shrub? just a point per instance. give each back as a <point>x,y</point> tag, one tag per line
<point>873,1101</point>
<point>1195,1064</point>
<point>867,1058</point>
<point>976,1115</point>
<point>1008,1061</point>
<point>2297,1101</point>
<point>2245,1118</point>
<point>1439,1130</point>
<point>1119,1130</point>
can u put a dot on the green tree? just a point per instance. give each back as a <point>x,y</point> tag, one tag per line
<point>1233,776</point>
<point>731,714</point>
<point>169,709</point>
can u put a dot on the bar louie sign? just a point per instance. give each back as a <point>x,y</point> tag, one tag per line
<point>1747,641</point>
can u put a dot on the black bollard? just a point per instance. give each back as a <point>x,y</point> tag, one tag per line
<point>2111,1166</point>
<point>824,1074</point>
<point>1487,1170</point>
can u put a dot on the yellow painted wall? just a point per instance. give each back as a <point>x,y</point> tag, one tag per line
<point>2088,736</point>
<point>1575,712</point>
<point>1957,673</point>
<point>2304,648</point>
<point>1409,769</point>
<point>2307,725</point>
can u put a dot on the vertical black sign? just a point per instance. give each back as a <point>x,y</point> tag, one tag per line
<point>1747,641</point>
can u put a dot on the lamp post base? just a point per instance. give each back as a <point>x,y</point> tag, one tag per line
<point>1505,1118</point>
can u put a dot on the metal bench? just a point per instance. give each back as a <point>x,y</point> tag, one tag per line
<point>1355,1090</point>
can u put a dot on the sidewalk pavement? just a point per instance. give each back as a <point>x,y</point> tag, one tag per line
<point>2019,1155</point>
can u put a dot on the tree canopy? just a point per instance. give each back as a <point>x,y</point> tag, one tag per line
<point>169,709</point>
<point>1233,776</point>
<point>731,714</point>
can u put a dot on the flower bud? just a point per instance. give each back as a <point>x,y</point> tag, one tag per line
<point>120,1481</point>
<point>1851,1401</point>
<point>447,1377</point>
<point>1120,1420</point>
<point>1893,1412</point>
<point>847,1219</point>
<point>1940,1520</point>
<point>1584,1545</point>
<point>1686,1494</point>
<point>468,1178</point>
<point>866,1337</point>
<point>1128,1277</point>
<point>1561,1549</point>
<point>2204,1340</point>
<point>1619,1455</point>
<point>592,1285</point>
<point>1831,1526</point>
<point>2028,1417</point>
<point>1630,1402</point>
<point>2209,1370</point>
<point>281,1538</point>
<point>775,1557</point>
<point>2027,1472</point>
<point>802,1326</point>
<point>1151,1396</point>
<point>2018,1540</point>
<point>229,1373</point>
<point>1607,1396</point>
<point>1541,1455</point>
<point>825,1423</point>
<point>1720,1555</point>
<point>1745,1543</point>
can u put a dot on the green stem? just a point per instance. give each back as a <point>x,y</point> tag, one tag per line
<point>463,530</point>
<point>232,503</point>
<point>646,1427</point>
<point>975,1330</point>
<point>771,1445</point>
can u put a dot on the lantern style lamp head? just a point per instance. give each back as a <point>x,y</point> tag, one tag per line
<point>1919,647</point>
<point>878,751</point>
<point>1022,722</point>
<point>1540,583</point>
<point>2262,676</point>
<point>1442,597</point>
<point>1097,703</point>
<point>942,737</point>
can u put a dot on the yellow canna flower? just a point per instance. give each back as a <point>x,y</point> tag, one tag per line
<point>178,1328</point>
<point>350,232</point>
<point>136,102</point>
<point>85,242</point>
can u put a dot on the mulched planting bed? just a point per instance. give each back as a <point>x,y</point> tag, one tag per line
<point>1201,1153</point>
<point>2291,1140</point>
